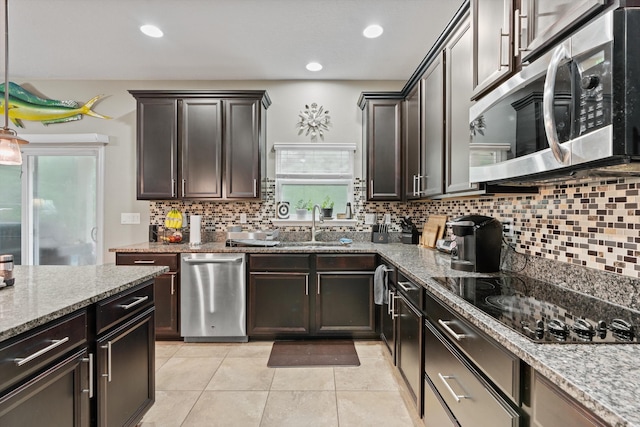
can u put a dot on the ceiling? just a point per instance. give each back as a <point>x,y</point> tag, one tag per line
<point>221,39</point>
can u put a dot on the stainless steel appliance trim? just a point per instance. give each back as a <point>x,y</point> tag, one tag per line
<point>55,343</point>
<point>587,148</point>
<point>212,260</point>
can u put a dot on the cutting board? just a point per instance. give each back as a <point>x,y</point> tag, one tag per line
<point>430,234</point>
<point>433,230</point>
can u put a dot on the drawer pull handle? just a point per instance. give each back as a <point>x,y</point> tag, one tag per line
<point>55,343</point>
<point>90,360</point>
<point>444,379</point>
<point>139,300</point>
<point>108,348</point>
<point>445,325</point>
<point>407,286</point>
<point>144,261</point>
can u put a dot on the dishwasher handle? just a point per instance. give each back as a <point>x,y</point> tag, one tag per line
<point>213,260</point>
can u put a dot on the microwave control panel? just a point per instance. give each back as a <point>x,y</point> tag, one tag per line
<point>593,85</point>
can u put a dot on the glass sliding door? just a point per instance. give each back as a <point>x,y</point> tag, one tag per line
<point>62,209</point>
<point>51,206</point>
<point>11,212</point>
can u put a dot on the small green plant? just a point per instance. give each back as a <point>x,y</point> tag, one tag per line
<point>327,203</point>
<point>302,204</point>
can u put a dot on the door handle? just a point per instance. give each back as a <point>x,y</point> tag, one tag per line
<point>108,348</point>
<point>90,360</point>
<point>138,301</point>
<point>561,154</point>
<point>445,325</point>
<point>212,260</point>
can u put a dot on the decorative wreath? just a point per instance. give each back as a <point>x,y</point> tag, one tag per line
<point>314,120</point>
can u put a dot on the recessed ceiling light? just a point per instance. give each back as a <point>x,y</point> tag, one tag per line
<point>314,66</point>
<point>151,31</point>
<point>372,31</point>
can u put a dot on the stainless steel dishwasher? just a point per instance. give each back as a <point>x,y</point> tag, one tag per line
<point>213,297</point>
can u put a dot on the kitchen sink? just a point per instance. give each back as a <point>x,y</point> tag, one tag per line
<point>313,245</point>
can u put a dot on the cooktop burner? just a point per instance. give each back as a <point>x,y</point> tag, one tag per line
<point>547,313</point>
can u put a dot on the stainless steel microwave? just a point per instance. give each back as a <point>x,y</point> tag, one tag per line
<point>573,111</point>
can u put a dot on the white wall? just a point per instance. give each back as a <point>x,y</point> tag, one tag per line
<point>288,99</point>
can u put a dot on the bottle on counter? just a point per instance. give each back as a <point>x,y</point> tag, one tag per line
<point>348,213</point>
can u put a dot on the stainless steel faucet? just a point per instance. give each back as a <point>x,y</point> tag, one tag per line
<point>313,221</point>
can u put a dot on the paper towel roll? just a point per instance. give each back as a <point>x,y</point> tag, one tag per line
<point>195,226</point>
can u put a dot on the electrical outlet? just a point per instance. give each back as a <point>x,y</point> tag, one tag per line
<point>130,218</point>
<point>507,227</point>
<point>243,218</point>
<point>369,218</point>
<point>387,218</point>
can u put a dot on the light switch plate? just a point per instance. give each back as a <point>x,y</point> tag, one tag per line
<point>369,218</point>
<point>387,218</point>
<point>130,218</point>
<point>243,218</point>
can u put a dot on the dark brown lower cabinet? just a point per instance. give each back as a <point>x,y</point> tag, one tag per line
<point>311,295</point>
<point>59,396</point>
<point>279,303</point>
<point>435,412</point>
<point>167,306</point>
<point>125,371</point>
<point>344,303</point>
<point>409,348</point>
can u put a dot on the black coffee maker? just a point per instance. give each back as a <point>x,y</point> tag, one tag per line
<point>478,242</point>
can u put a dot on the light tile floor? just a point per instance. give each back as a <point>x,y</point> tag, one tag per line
<point>230,385</point>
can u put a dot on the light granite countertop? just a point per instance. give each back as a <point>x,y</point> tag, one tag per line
<point>605,378</point>
<point>44,293</point>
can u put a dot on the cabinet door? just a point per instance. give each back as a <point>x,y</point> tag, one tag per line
<point>201,148</point>
<point>492,31</point>
<point>384,144</point>
<point>157,148</point>
<point>409,357</point>
<point>344,304</point>
<point>388,323</point>
<point>166,294</point>
<point>242,149</point>
<point>432,87</point>
<point>458,83</point>
<point>412,145</point>
<point>125,372</point>
<point>55,397</point>
<point>553,407</point>
<point>278,303</point>
<point>544,20</point>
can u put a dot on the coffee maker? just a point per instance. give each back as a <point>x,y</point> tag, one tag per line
<point>477,244</point>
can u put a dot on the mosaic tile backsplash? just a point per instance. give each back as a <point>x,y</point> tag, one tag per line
<point>587,223</point>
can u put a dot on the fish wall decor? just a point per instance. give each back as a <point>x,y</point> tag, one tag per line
<point>24,105</point>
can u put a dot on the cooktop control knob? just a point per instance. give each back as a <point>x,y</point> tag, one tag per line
<point>589,82</point>
<point>602,329</point>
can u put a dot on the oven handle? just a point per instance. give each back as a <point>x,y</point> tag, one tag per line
<point>445,325</point>
<point>444,379</point>
<point>561,154</point>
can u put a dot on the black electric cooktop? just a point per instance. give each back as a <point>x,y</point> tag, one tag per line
<point>547,313</point>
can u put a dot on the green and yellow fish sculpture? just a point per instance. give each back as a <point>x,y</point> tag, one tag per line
<point>24,105</point>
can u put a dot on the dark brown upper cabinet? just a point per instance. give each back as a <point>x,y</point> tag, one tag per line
<point>200,145</point>
<point>492,29</point>
<point>382,137</point>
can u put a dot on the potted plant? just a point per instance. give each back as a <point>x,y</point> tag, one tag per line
<point>302,207</point>
<point>327,207</point>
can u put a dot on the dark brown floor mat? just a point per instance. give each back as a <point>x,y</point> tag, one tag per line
<point>313,353</point>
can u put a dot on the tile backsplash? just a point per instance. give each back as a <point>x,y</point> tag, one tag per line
<point>589,223</point>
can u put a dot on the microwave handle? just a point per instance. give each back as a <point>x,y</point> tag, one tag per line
<point>562,154</point>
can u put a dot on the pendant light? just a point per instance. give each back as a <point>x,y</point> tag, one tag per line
<point>9,140</point>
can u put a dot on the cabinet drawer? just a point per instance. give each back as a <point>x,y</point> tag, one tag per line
<point>170,260</point>
<point>502,367</point>
<point>467,395</point>
<point>346,262</point>
<point>28,353</point>
<point>123,305</point>
<point>289,262</point>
